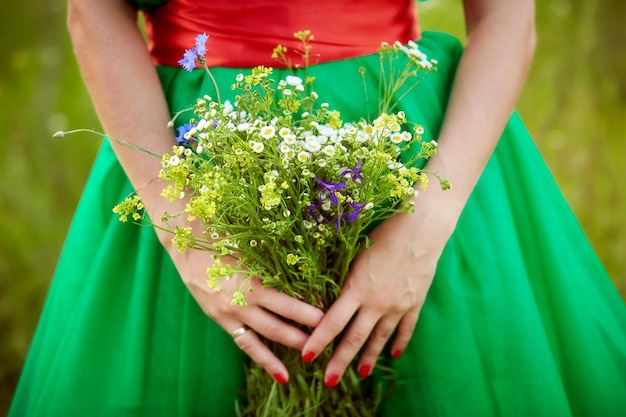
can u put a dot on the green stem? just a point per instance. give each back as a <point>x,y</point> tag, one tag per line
<point>120,141</point>
<point>217,90</point>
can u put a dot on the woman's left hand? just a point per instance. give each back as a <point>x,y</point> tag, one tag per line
<point>384,292</point>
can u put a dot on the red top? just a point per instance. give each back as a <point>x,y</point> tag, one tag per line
<point>244,33</point>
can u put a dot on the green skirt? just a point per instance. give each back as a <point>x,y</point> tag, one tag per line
<point>521,320</point>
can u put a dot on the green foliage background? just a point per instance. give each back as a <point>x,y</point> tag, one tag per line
<point>574,104</point>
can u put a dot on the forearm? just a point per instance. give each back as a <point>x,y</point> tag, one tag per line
<point>488,81</point>
<point>125,91</point>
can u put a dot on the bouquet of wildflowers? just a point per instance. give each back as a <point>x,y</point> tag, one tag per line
<point>290,190</point>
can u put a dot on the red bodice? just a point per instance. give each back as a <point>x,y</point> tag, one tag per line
<point>244,33</point>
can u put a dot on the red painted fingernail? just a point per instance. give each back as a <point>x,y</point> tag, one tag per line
<point>364,371</point>
<point>331,381</point>
<point>280,378</point>
<point>308,357</point>
<point>396,354</point>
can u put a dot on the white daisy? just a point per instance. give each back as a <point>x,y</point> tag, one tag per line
<point>304,156</point>
<point>267,132</point>
<point>396,138</point>
<point>312,146</point>
<point>174,160</point>
<point>290,139</point>
<point>361,136</point>
<point>293,81</point>
<point>284,131</point>
<point>257,147</point>
<point>329,150</point>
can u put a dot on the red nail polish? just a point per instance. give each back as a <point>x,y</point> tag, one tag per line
<point>308,357</point>
<point>396,354</point>
<point>364,371</point>
<point>331,381</point>
<point>280,378</point>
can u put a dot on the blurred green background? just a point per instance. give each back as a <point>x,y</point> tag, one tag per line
<point>574,104</point>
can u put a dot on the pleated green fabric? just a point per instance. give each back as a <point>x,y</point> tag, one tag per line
<point>521,320</point>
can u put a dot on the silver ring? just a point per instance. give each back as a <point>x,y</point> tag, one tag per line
<point>239,331</point>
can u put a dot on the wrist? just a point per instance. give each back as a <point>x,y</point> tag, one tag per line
<point>435,215</point>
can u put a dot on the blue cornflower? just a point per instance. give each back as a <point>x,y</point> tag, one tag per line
<point>182,130</point>
<point>189,59</point>
<point>200,44</point>
<point>196,53</point>
<point>354,172</point>
<point>331,188</point>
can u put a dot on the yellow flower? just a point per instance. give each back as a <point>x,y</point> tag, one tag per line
<point>129,207</point>
<point>183,238</point>
<point>238,299</point>
<point>292,259</point>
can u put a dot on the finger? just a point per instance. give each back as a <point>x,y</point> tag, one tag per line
<point>289,307</point>
<point>272,327</point>
<point>405,329</point>
<point>376,343</point>
<point>251,345</point>
<point>349,346</point>
<point>333,323</point>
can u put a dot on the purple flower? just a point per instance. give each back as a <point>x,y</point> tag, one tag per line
<point>354,172</point>
<point>201,44</point>
<point>337,222</point>
<point>312,213</point>
<point>356,211</point>
<point>182,130</point>
<point>331,188</point>
<point>189,59</point>
<point>196,53</point>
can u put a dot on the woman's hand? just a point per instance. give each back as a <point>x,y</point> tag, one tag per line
<point>384,292</point>
<point>264,315</point>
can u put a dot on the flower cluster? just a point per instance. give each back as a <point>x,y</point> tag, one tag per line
<point>281,183</point>
<point>285,183</point>
<point>129,207</point>
<point>303,183</point>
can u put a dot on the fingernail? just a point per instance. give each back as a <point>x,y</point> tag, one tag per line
<point>280,378</point>
<point>308,357</point>
<point>364,371</point>
<point>331,381</point>
<point>396,354</point>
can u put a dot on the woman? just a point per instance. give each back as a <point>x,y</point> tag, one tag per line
<point>521,318</point>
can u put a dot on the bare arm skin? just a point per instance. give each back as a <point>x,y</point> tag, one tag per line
<point>494,65</point>
<point>128,98</point>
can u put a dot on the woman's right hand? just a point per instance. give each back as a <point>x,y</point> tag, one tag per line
<point>265,313</point>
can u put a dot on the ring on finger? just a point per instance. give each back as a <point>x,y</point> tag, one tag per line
<point>239,331</point>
